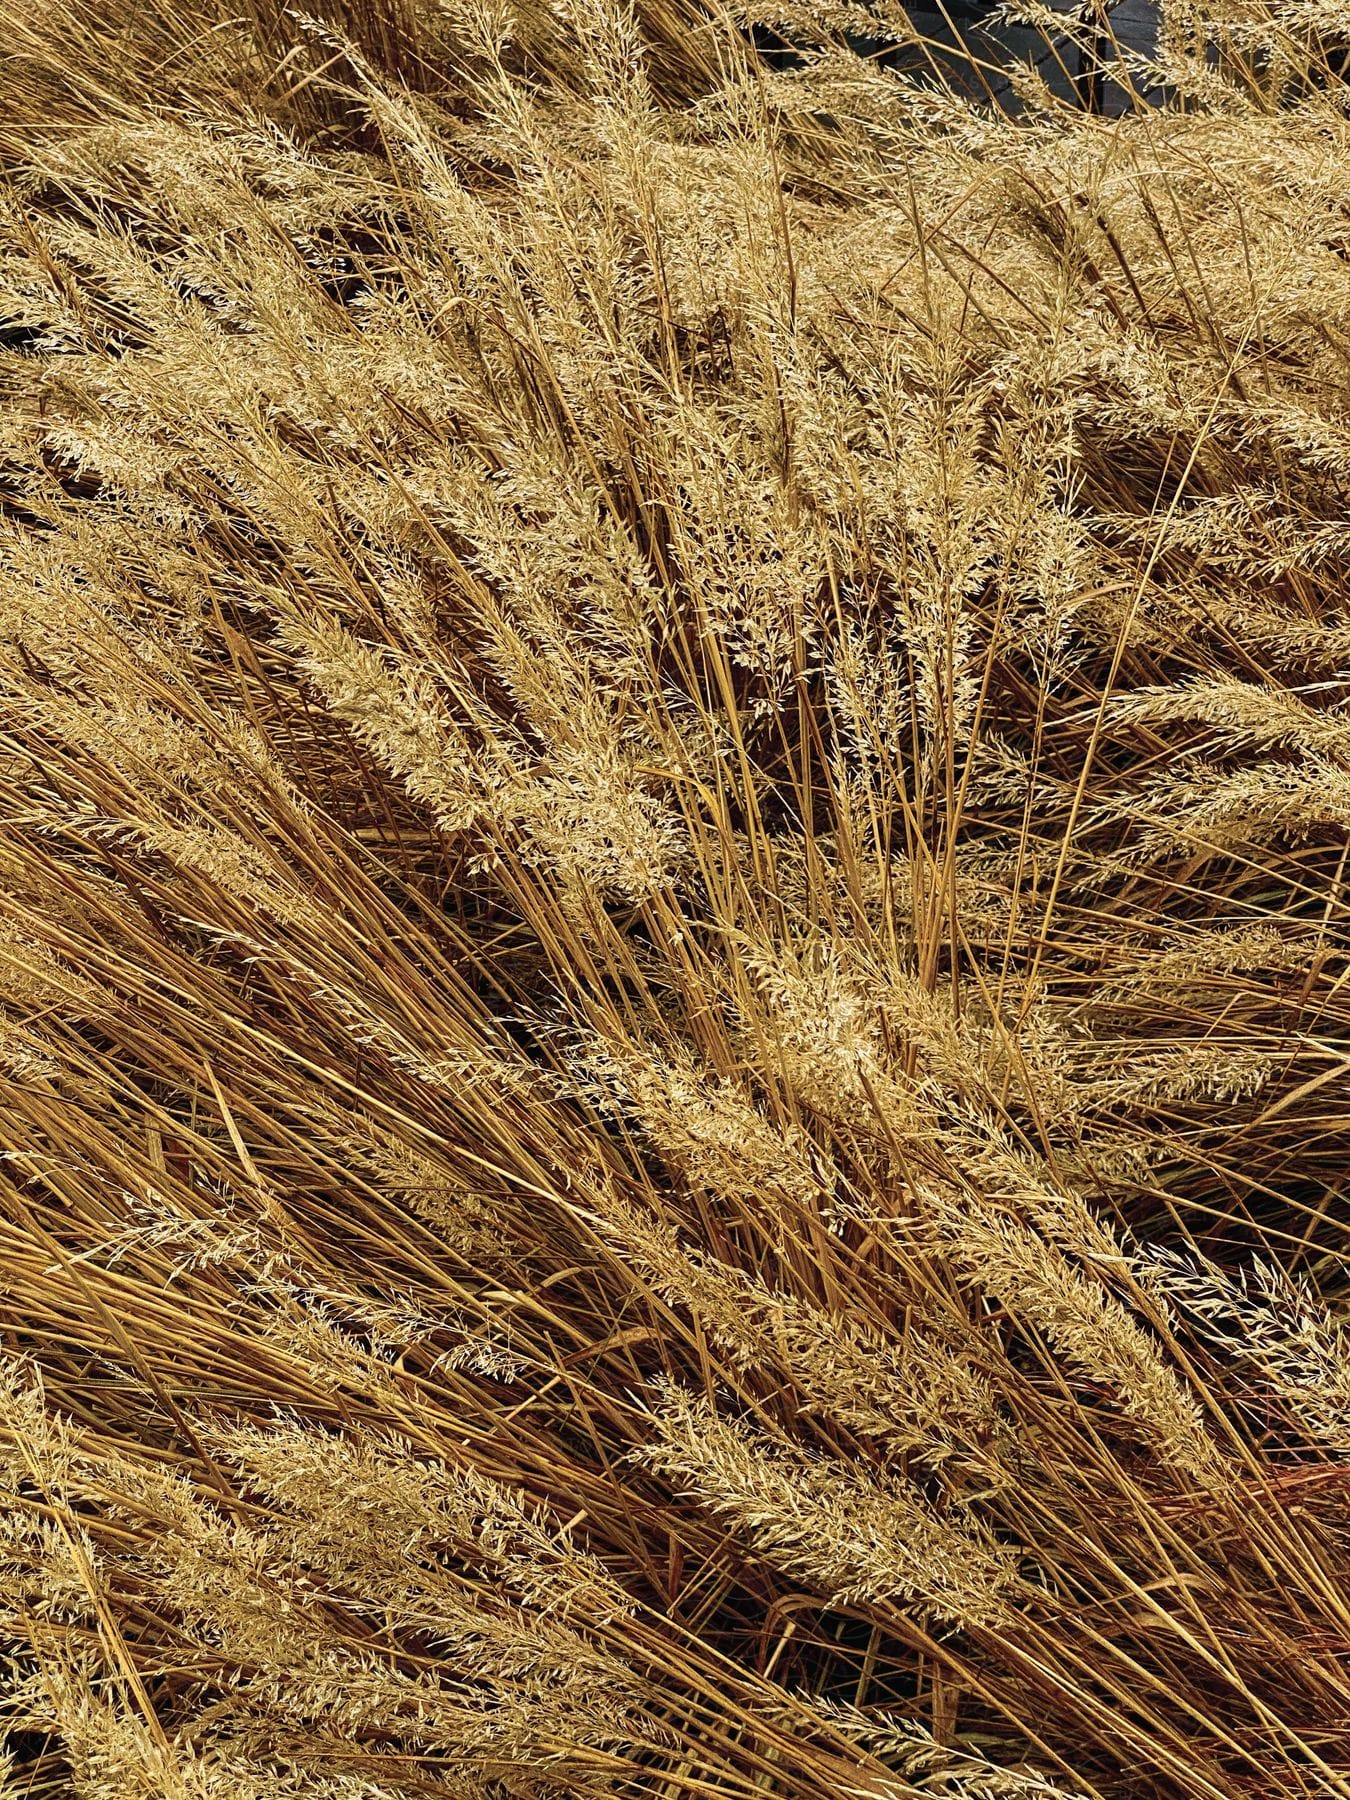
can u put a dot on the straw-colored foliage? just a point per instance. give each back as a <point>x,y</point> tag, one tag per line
<point>674,791</point>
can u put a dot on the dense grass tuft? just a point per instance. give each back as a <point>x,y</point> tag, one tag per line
<point>674,791</point>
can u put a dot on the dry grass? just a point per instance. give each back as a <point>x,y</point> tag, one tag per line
<point>674,788</point>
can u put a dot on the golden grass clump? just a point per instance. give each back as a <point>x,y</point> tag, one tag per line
<point>674,796</point>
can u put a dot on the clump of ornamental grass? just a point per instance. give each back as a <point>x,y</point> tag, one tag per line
<point>674,798</point>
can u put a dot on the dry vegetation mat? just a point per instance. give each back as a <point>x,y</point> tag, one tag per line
<point>674,790</point>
